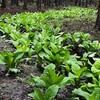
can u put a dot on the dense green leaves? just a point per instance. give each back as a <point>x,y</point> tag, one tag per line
<point>50,77</point>
<point>50,93</point>
<point>94,96</point>
<point>96,67</point>
<point>11,60</point>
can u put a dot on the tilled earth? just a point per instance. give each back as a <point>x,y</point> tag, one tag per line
<point>15,87</point>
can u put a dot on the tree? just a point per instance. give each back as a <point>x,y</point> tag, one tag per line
<point>3,4</point>
<point>38,3</point>
<point>17,3</point>
<point>25,5</point>
<point>14,2</point>
<point>97,25</point>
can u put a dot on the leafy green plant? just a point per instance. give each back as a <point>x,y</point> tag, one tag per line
<point>49,49</point>
<point>11,60</point>
<point>76,67</point>
<point>49,78</point>
<point>93,96</point>
<point>79,39</point>
<point>50,82</point>
<point>95,46</point>
<point>49,94</point>
<point>90,90</point>
<point>22,43</point>
<point>96,67</point>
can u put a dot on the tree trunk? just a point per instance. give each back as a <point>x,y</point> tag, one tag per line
<point>97,25</point>
<point>14,2</point>
<point>30,1</point>
<point>38,3</point>
<point>25,5</point>
<point>3,4</point>
<point>17,3</point>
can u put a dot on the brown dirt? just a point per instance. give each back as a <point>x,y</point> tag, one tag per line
<point>82,26</point>
<point>15,87</point>
<point>19,9</point>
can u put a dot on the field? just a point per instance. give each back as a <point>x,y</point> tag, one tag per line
<point>54,55</point>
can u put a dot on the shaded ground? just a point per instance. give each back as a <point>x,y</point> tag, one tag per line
<point>14,10</point>
<point>19,9</point>
<point>83,26</point>
<point>15,87</point>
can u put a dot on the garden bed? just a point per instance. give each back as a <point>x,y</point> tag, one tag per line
<point>39,38</point>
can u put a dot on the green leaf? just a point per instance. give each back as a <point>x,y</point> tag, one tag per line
<point>30,52</point>
<point>18,56</point>
<point>53,76</point>
<point>91,85</point>
<point>75,68</point>
<point>47,81</point>
<point>42,54</point>
<point>50,66</point>
<point>51,92</point>
<point>54,47</point>
<point>38,47</point>
<point>71,78</point>
<point>35,80</point>
<point>59,79</point>
<point>57,58</point>
<point>80,71</point>
<point>95,95</point>
<point>67,67</point>
<point>82,93</point>
<point>2,62</point>
<point>56,31</point>
<point>97,64</point>
<point>66,55</point>
<point>37,95</point>
<point>49,53</point>
<point>96,67</point>
<point>64,82</point>
<point>14,70</point>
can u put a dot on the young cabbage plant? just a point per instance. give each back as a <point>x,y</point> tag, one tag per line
<point>80,42</point>
<point>15,35</point>
<point>24,47</point>
<point>90,46</point>
<point>95,46</point>
<point>49,94</point>
<point>6,29</point>
<point>90,87</point>
<point>49,48</point>
<point>76,67</point>
<point>49,78</point>
<point>88,59</point>
<point>56,56</point>
<point>79,38</point>
<point>70,61</point>
<point>23,44</point>
<point>11,60</point>
<point>96,67</point>
<point>90,90</point>
<point>39,41</point>
<point>78,71</point>
<point>88,96</point>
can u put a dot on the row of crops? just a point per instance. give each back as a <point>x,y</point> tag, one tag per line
<point>63,58</point>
